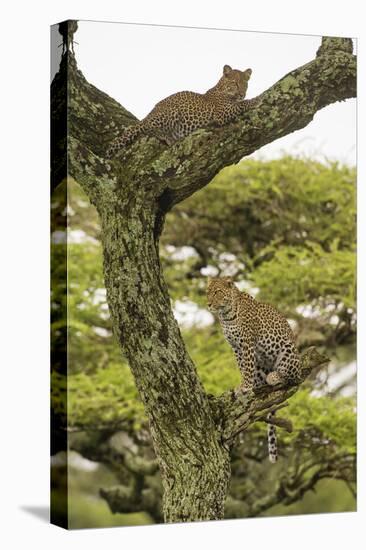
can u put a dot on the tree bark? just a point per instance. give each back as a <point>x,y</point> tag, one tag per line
<point>191,432</point>
<point>185,439</point>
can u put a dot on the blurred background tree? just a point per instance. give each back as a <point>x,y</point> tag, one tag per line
<point>285,229</point>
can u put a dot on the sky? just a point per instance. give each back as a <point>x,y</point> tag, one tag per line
<point>139,65</point>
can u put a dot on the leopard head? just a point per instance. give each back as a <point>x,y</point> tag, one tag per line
<point>234,83</point>
<point>220,294</point>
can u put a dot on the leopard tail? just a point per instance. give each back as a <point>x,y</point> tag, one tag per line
<point>127,136</point>
<point>272,439</point>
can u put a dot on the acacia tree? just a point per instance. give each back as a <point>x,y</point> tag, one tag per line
<point>192,432</point>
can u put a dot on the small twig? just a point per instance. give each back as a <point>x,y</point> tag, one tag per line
<point>273,408</point>
<point>262,417</point>
<point>280,422</point>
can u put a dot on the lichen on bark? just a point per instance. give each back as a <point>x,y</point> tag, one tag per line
<point>191,431</point>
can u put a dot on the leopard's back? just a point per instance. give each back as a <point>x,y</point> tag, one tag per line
<point>179,115</point>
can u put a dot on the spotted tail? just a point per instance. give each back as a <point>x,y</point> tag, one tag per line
<point>128,135</point>
<point>272,440</point>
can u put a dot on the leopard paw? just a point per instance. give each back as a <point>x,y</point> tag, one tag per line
<point>274,378</point>
<point>242,389</point>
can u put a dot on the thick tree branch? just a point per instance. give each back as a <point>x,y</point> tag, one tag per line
<point>289,491</point>
<point>234,411</point>
<point>283,423</point>
<point>288,105</point>
<point>293,482</point>
<point>120,452</point>
<point>84,113</point>
<point>178,171</point>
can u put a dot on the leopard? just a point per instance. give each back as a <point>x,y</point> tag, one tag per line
<point>262,341</point>
<point>182,113</point>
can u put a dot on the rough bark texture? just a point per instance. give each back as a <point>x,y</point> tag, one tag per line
<point>192,432</point>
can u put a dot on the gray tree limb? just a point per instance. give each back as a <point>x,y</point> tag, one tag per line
<point>178,171</point>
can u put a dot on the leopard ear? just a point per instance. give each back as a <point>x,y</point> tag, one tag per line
<point>229,280</point>
<point>248,73</point>
<point>227,70</point>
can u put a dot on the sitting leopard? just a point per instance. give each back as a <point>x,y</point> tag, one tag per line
<point>261,338</point>
<point>182,113</point>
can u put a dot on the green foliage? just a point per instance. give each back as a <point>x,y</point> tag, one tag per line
<point>286,227</point>
<point>332,420</point>
<point>250,205</point>
<point>295,276</point>
<point>107,396</point>
<point>89,330</point>
<point>319,422</point>
<point>214,359</point>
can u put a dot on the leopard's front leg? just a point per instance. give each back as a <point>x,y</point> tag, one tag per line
<point>245,357</point>
<point>233,110</point>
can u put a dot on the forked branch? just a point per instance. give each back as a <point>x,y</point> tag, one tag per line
<point>235,411</point>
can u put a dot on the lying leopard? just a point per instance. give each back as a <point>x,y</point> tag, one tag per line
<point>261,339</point>
<point>182,113</point>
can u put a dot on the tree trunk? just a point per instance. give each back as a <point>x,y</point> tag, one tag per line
<point>194,465</point>
<point>191,432</point>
